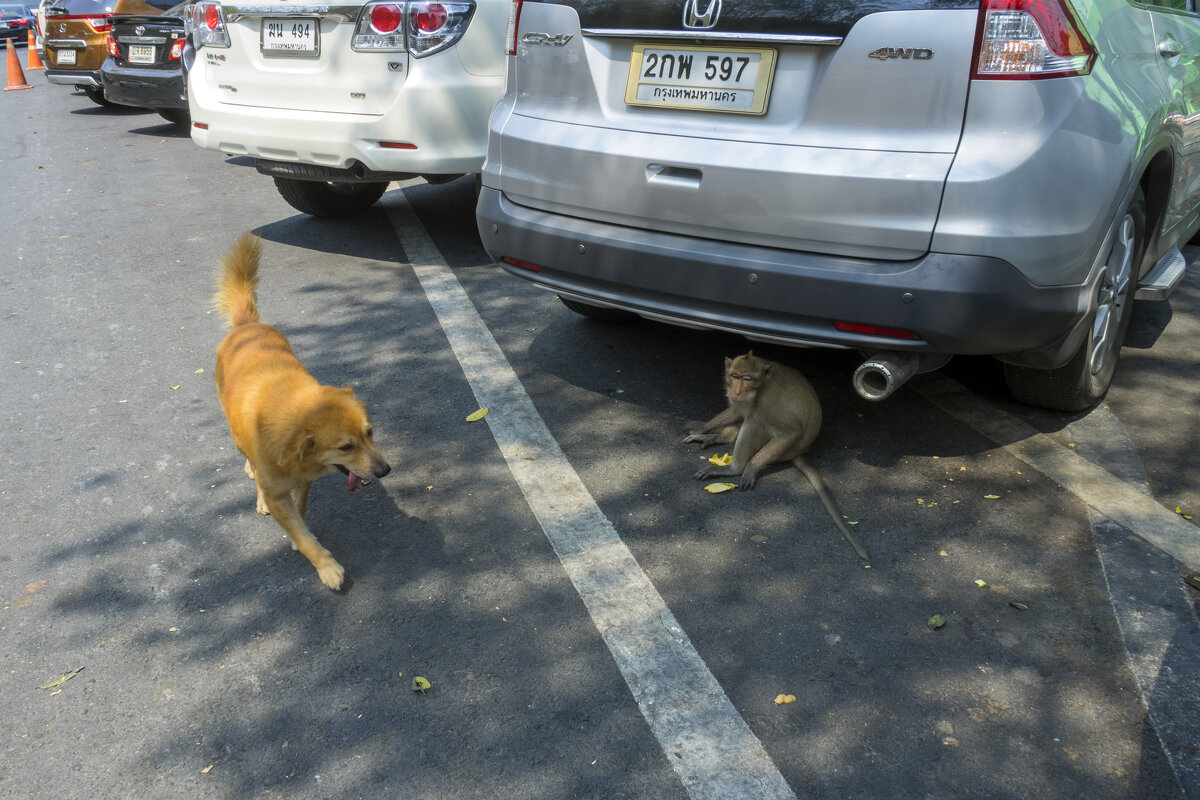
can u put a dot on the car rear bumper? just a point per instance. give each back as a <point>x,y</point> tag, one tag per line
<point>73,77</point>
<point>954,304</point>
<point>147,88</point>
<point>447,130</point>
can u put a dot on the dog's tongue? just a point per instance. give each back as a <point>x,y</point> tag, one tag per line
<point>353,482</point>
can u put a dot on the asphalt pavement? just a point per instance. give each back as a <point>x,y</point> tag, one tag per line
<point>590,622</point>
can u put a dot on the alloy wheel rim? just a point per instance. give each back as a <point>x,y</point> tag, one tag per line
<point>1114,296</point>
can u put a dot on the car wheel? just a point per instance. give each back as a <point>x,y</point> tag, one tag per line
<point>598,312</point>
<point>1084,380</point>
<point>96,95</point>
<point>326,199</point>
<point>178,116</point>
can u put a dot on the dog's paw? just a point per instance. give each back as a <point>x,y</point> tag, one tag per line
<point>331,573</point>
<point>261,507</point>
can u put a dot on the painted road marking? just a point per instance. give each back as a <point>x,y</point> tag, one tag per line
<point>1158,627</point>
<point>702,735</point>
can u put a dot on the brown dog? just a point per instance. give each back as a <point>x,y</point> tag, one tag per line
<point>291,429</point>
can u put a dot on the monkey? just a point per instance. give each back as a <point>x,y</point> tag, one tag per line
<point>773,416</point>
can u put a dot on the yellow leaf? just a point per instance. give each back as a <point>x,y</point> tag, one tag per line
<point>981,583</point>
<point>717,488</point>
<point>207,769</point>
<point>420,684</point>
<point>991,497</point>
<point>784,698</point>
<point>62,680</point>
<point>176,386</point>
<point>477,415</point>
<point>199,371</point>
<point>720,461</point>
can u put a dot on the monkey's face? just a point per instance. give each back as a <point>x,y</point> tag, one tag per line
<point>744,376</point>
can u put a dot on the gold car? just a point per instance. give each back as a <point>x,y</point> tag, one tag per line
<point>76,35</point>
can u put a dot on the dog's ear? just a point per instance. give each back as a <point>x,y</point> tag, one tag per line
<point>299,447</point>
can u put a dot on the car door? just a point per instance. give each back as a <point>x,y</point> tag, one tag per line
<point>1177,36</point>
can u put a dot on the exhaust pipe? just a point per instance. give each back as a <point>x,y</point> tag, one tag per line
<point>882,374</point>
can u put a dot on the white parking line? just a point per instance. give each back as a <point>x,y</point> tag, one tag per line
<point>702,735</point>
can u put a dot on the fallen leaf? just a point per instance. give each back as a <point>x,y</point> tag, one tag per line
<point>176,386</point>
<point>199,371</point>
<point>720,461</point>
<point>62,680</point>
<point>784,698</point>
<point>477,415</point>
<point>207,769</point>
<point>980,583</point>
<point>991,497</point>
<point>1179,511</point>
<point>1020,606</point>
<point>420,684</point>
<point>717,488</point>
<point>935,622</point>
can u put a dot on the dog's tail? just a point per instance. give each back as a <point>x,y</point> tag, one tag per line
<point>237,282</point>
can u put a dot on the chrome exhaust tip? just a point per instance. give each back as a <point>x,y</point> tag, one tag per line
<point>880,376</point>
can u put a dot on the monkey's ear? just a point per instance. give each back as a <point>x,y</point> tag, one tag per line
<point>767,368</point>
<point>749,354</point>
<point>728,362</point>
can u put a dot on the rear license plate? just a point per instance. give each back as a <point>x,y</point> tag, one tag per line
<point>66,57</point>
<point>730,79</point>
<point>141,54</point>
<point>289,36</point>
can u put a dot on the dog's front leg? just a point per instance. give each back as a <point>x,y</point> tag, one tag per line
<point>301,497</point>
<point>260,505</point>
<point>283,508</point>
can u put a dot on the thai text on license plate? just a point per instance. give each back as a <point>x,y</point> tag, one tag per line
<point>289,36</point>
<point>141,54</point>
<point>64,57</point>
<point>730,79</point>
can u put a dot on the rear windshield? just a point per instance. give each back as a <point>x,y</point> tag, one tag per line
<point>78,7</point>
<point>774,17</point>
<point>14,11</point>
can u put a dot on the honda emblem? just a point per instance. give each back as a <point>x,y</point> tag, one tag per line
<point>693,17</point>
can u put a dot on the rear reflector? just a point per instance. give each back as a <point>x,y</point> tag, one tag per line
<point>398,145</point>
<point>874,330</point>
<point>521,264</point>
<point>201,125</point>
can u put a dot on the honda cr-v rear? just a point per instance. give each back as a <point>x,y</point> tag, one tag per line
<point>910,178</point>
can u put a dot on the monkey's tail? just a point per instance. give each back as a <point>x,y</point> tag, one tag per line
<point>805,465</point>
<point>237,282</point>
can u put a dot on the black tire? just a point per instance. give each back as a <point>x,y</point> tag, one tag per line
<point>599,312</point>
<point>1084,380</point>
<point>177,116</point>
<point>96,95</point>
<point>322,199</point>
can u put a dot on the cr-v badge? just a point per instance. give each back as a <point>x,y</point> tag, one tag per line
<point>693,17</point>
<point>557,40</point>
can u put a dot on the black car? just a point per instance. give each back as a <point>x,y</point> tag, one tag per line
<point>145,63</point>
<point>15,22</point>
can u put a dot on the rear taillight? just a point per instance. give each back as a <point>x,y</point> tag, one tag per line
<point>176,51</point>
<point>514,19</point>
<point>111,44</point>
<point>100,24</point>
<point>205,23</point>
<point>422,28</point>
<point>1030,39</point>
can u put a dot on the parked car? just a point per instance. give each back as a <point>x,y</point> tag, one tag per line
<point>334,102</point>
<point>145,63</point>
<point>15,22</point>
<point>913,179</point>
<point>76,37</point>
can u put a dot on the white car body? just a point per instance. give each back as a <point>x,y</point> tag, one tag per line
<point>345,111</point>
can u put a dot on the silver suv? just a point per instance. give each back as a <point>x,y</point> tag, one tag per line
<point>914,179</point>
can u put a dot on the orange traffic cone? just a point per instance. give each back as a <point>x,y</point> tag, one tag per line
<point>31,48</point>
<point>16,78</point>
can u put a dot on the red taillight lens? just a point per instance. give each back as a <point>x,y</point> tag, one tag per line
<point>212,16</point>
<point>111,44</point>
<point>386,18</point>
<point>875,330</point>
<point>514,20</point>
<point>176,51</point>
<point>429,18</point>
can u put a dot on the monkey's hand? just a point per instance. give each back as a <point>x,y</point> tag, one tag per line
<point>749,478</point>
<point>714,472</point>
<point>703,439</point>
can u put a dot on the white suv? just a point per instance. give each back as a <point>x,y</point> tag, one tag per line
<point>335,101</point>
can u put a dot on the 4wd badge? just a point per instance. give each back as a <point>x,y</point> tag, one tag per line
<point>906,53</point>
